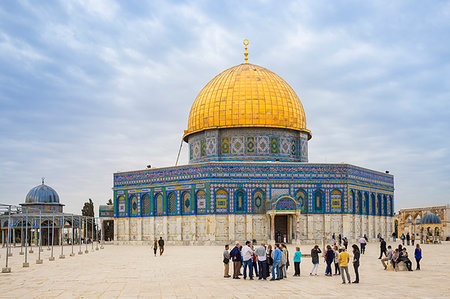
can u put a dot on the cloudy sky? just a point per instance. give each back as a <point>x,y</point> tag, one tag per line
<point>88,88</point>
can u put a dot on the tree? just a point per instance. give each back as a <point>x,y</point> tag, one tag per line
<point>109,226</point>
<point>88,210</point>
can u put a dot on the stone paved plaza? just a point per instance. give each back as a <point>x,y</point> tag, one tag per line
<point>197,272</point>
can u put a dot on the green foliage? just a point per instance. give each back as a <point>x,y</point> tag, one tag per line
<point>88,209</point>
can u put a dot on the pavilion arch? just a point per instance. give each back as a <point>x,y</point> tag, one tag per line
<point>171,203</point>
<point>158,206</point>
<point>366,203</point>
<point>360,203</point>
<point>319,198</point>
<point>379,206</point>
<point>384,205</point>
<point>200,198</point>
<point>240,201</point>
<point>121,210</point>
<point>221,201</point>
<point>302,197</point>
<point>372,204</point>
<point>186,203</point>
<point>145,205</point>
<point>259,201</point>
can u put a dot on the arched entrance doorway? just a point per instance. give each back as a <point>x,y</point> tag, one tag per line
<point>283,213</point>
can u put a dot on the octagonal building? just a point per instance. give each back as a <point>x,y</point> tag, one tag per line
<point>248,176</point>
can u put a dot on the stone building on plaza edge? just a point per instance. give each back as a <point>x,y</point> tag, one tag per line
<point>248,176</point>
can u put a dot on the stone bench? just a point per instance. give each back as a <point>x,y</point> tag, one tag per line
<point>400,267</point>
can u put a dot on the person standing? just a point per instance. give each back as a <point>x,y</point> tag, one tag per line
<point>226,262</point>
<point>337,271</point>
<point>283,261</point>
<point>394,236</point>
<point>236,258</point>
<point>247,257</point>
<point>276,262</point>
<point>315,259</point>
<point>262,261</point>
<point>329,259</point>
<point>363,242</point>
<point>155,246</point>
<point>403,239</point>
<point>269,260</point>
<point>408,237</point>
<point>255,262</point>
<point>356,256</point>
<point>418,255</point>
<point>345,242</point>
<point>344,257</point>
<point>413,238</point>
<point>388,257</point>
<point>340,240</point>
<point>382,248</point>
<point>161,245</point>
<point>297,261</point>
<point>333,236</point>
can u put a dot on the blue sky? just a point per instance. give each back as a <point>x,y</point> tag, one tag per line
<point>88,88</point>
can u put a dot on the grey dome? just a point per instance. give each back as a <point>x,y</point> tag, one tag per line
<point>431,218</point>
<point>42,194</point>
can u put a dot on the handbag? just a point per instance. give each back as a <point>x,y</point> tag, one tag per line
<point>226,260</point>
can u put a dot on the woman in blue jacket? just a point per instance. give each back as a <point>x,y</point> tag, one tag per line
<point>329,259</point>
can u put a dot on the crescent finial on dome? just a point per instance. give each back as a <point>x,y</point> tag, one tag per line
<point>246,42</point>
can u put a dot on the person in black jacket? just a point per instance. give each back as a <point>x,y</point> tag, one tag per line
<point>236,258</point>
<point>356,256</point>
<point>382,248</point>
<point>329,259</point>
<point>315,259</point>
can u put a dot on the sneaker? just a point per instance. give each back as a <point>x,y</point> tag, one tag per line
<point>272,279</point>
<point>355,281</point>
<point>237,278</point>
<point>343,282</point>
<point>251,278</point>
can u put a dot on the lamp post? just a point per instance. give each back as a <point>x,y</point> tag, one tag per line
<point>39,261</point>
<point>86,230</point>
<point>8,269</point>
<point>61,256</point>
<point>25,263</point>
<point>52,258</point>
<point>72,254</point>
<point>79,235</point>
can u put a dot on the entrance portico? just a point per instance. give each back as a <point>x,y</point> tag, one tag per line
<point>284,213</point>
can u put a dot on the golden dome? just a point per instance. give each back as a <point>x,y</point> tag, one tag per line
<point>246,95</point>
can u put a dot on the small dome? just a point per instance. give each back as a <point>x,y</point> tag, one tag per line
<point>247,95</point>
<point>431,218</point>
<point>42,194</point>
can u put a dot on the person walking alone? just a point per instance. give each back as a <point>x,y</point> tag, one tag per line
<point>297,261</point>
<point>363,242</point>
<point>155,246</point>
<point>283,262</point>
<point>413,238</point>
<point>356,256</point>
<point>226,262</point>
<point>382,248</point>
<point>344,257</point>
<point>418,255</point>
<point>315,259</point>
<point>408,237</point>
<point>236,258</point>
<point>161,246</point>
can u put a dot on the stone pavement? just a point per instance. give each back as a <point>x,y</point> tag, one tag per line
<point>197,272</point>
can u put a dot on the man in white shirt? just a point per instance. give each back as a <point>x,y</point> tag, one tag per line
<point>247,255</point>
<point>262,263</point>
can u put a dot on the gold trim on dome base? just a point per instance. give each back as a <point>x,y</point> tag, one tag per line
<point>246,95</point>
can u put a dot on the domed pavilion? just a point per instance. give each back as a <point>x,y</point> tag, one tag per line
<point>249,177</point>
<point>43,198</point>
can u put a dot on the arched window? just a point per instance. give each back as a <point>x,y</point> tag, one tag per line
<point>359,203</point>
<point>158,204</point>
<point>318,200</point>
<point>133,206</point>
<point>384,205</point>
<point>201,202</point>
<point>372,205</point>
<point>390,206</point>
<point>221,201</point>
<point>351,202</point>
<point>240,201</point>
<point>258,202</point>
<point>302,198</point>
<point>186,202</point>
<point>121,206</point>
<point>336,201</point>
<point>172,203</point>
<point>145,205</point>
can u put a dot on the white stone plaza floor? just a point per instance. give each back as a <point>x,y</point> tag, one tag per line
<point>197,272</point>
